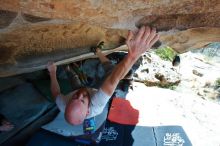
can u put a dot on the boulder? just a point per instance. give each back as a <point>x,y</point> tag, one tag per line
<point>35,32</point>
<point>154,71</point>
<point>124,13</point>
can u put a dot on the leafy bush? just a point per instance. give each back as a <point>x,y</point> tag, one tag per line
<point>166,53</point>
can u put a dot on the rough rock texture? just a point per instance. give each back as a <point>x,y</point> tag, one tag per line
<point>154,71</point>
<point>27,48</point>
<point>34,32</point>
<point>42,39</point>
<point>199,72</point>
<point>183,41</point>
<point>122,13</point>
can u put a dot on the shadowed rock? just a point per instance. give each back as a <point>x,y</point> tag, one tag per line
<point>34,19</point>
<point>6,17</point>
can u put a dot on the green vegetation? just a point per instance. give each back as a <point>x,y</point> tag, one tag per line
<point>166,53</point>
<point>171,87</point>
<point>217,82</point>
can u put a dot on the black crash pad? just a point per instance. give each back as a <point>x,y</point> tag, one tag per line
<point>127,135</point>
<point>122,135</point>
<point>171,136</point>
<point>46,138</point>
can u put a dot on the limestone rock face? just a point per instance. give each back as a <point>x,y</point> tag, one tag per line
<point>35,32</point>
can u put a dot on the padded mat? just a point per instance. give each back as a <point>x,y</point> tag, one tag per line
<point>44,87</point>
<point>122,112</point>
<point>21,105</point>
<point>60,126</point>
<point>171,136</point>
<point>46,138</point>
<point>127,135</point>
<point>116,134</point>
<point>9,82</point>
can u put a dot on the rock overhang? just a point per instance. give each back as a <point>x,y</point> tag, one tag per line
<point>34,32</point>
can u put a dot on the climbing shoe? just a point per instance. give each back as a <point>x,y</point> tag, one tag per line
<point>100,46</point>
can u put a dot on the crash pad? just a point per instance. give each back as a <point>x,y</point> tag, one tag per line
<point>66,134</point>
<point>9,82</point>
<point>115,134</point>
<point>46,138</point>
<point>122,112</point>
<point>21,105</point>
<point>61,127</point>
<point>171,136</point>
<point>43,86</point>
<point>128,135</point>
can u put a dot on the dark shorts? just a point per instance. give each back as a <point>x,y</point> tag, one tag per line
<point>108,67</point>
